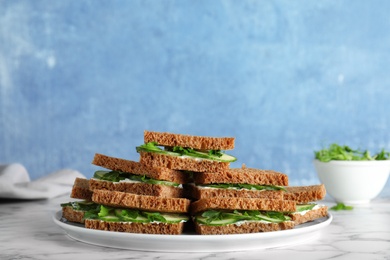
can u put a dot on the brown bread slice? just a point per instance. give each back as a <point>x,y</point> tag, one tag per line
<point>310,215</point>
<point>180,163</point>
<point>191,141</point>
<point>145,228</point>
<point>305,194</point>
<point>246,227</point>
<point>80,189</point>
<point>137,188</point>
<point>243,175</point>
<point>142,202</point>
<point>73,215</point>
<point>242,204</point>
<point>197,192</point>
<point>123,165</point>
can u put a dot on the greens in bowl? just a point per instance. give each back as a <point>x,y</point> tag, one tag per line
<point>345,153</point>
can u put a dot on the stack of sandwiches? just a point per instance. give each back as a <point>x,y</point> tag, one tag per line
<point>185,181</point>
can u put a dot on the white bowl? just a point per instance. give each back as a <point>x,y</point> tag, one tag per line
<point>353,182</point>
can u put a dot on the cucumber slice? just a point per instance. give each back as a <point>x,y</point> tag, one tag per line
<point>110,218</point>
<point>224,158</point>
<point>217,222</point>
<point>137,218</point>
<point>227,158</point>
<point>174,218</point>
<point>99,174</point>
<point>86,203</point>
<point>266,218</point>
<point>153,148</point>
<point>303,207</point>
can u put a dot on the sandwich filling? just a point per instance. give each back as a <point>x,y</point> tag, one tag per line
<point>82,205</point>
<point>116,176</point>
<point>302,209</point>
<point>240,186</point>
<point>226,217</point>
<point>111,214</point>
<point>214,155</point>
<point>237,217</point>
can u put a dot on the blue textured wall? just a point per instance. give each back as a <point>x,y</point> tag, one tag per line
<point>284,77</point>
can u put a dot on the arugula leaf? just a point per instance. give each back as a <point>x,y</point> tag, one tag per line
<point>212,215</point>
<point>104,211</point>
<point>149,147</point>
<point>217,153</point>
<point>277,216</point>
<point>113,176</point>
<point>91,214</point>
<point>154,216</point>
<point>345,153</point>
<point>81,205</point>
<point>182,151</point>
<point>127,214</point>
<point>382,155</point>
<point>341,206</point>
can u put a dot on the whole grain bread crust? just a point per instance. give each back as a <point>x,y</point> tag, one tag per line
<point>179,163</point>
<point>305,194</point>
<point>80,189</point>
<point>137,188</point>
<point>248,227</point>
<point>73,215</point>
<point>123,165</point>
<point>145,228</point>
<point>242,204</point>
<point>243,175</point>
<point>310,215</point>
<point>191,141</point>
<point>203,193</point>
<point>142,202</point>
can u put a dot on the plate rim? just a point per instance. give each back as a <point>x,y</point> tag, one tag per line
<point>303,229</point>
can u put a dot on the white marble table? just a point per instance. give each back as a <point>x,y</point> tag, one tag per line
<point>28,232</point>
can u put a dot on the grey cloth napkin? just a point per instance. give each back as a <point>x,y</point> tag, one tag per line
<point>15,183</point>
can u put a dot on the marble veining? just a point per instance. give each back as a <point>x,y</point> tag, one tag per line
<point>28,232</point>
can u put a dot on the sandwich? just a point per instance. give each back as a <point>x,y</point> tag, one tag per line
<point>133,213</point>
<point>184,177</point>
<point>265,184</point>
<point>239,182</point>
<point>217,216</point>
<point>129,197</point>
<point>74,211</point>
<point>306,198</point>
<point>186,152</point>
<point>134,177</point>
<point>128,212</point>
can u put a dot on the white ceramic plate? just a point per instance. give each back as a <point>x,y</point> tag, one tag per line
<point>193,242</point>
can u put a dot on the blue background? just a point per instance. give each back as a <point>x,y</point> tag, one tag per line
<point>285,78</point>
